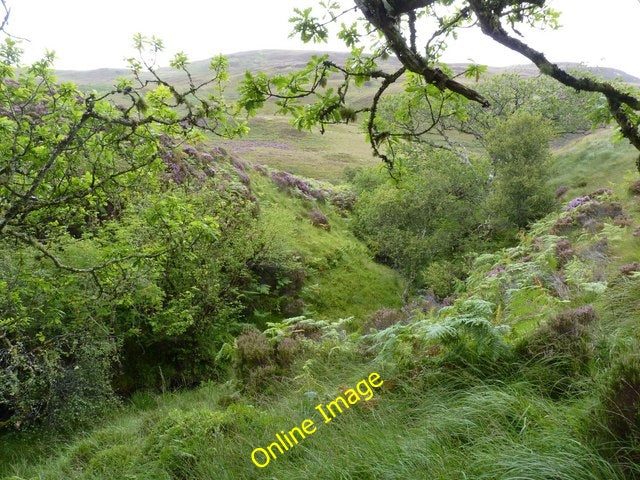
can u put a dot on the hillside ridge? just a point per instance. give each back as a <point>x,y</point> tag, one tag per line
<point>275,61</point>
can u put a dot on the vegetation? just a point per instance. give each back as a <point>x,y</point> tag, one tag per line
<point>521,168</point>
<point>519,377</point>
<point>166,306</point>
<point>422,222</point>
<point>396,27</point>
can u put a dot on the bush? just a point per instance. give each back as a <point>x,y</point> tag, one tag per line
<point>522,169</point>
<point>66,384</point>
<point>188,303</point>
<point>589,212</point>
<point>259,360</point>
<point>319,219</point>
<point>564,252</point>
<point>563,346</point>
<point>630,268</point>
<point>344,199</point>
<point>418,221</point>
<point>253,350</point>
<point>440,278</point>
<point>560,191</point>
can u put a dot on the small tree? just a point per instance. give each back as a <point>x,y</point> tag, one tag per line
<point>520,154</point>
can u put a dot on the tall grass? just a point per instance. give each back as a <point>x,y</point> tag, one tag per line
<point>436,429</point>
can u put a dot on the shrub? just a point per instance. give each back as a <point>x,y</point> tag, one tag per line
<point>286,351</point>
<point>155,322</point>
<point>344,199</point>
<point>65,385</point>
<point>634,188</point>
<point>563,346</point>
<point>576,202</point>
<point>560,191</point>
<point>563,225</point>
<point>589,212</point>
<point>187,304</point>
<point>630,268</point>
<point>440,278</point>
<point>319,219</point>
<point>420,221</point>
<point>623,220</point>
<point>564,252</point>
<point>253,349</point>
<point>261,169</point>
<point>261,360</point>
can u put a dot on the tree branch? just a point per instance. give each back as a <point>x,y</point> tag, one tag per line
<point>491,26</point>
<point>406,6</point>
<point>376,13</point>
<point>91,270</point>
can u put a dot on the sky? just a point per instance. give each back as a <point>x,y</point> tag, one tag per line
<point>88,34</point>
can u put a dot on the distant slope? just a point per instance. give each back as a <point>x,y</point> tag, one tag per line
<point>530,70</point>
<point>272,140</point>
<point>279,61</point>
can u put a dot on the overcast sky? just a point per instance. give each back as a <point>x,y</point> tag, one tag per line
<point>88,34</point>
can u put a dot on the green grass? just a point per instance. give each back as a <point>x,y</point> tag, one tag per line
<point>274,142</point>
<point>594,161</point>
<point>439,428</point>
<point>344,280</point>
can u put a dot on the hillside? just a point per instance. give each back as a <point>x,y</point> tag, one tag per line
<point>523,367</point>
<point>294,264</point>
<point>536,325</point>
<point>272,140</point>
<point>281,61</point>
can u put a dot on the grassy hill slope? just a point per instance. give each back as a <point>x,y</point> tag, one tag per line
<point>344,280</point>
<point>507,383</point>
